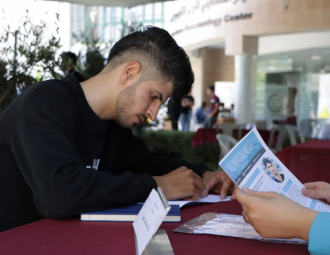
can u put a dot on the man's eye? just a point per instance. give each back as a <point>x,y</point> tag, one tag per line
<point>153,96</point>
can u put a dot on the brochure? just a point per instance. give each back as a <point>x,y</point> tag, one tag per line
<point>252,164</point>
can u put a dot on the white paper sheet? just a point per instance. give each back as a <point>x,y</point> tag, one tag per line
<point>252,164</point>
<point>234,225</point>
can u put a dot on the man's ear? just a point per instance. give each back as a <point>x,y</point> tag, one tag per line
<point>131,73</point>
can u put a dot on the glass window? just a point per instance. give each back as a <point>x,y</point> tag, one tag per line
<point>158,24</point>
<point>138,12</point>
<point>100,15</point>
<point>107,14</point>
<point>107,33</point>
<point>148,15</point>
<point>158,10</point>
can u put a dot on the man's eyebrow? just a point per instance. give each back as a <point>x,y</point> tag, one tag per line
<point>160,95</point>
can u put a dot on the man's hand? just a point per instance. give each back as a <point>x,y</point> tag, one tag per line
<point>318,190</point>
<point>218,182</point>
<point>181,183</point>
<point>275,216</point>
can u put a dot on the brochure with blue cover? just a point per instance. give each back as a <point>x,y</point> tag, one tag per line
<point>252,164</point>
<point>128,214</point>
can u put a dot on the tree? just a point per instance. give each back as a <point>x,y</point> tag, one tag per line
<point>27,57</point>
<point>92,62</point>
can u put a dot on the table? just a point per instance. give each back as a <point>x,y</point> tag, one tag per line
<point>204,135</point>
<point>75,237</point>
<point>309,161</point>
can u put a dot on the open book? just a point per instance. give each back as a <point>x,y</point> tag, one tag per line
<point>252,164</point>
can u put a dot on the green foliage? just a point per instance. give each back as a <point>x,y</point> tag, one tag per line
<point>177,144</point>
<point>24,53</point>
<point>94,61</point>
<point>130,27</point>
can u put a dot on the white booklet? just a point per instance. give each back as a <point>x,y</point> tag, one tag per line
<point>252,164</point>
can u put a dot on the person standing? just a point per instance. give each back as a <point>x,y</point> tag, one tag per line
<point>187,103</point>
<point>200,113</point>
<point>173,111</point>
<point>214,107</point>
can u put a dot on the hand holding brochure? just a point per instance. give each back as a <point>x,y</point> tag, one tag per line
<point>252,164</point>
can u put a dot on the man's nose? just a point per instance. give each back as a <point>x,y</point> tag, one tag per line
<point>152,111</point>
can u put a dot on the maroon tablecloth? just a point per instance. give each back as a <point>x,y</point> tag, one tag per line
<point>75,237</point>
<point>309,161</point>
<point>204,135</point>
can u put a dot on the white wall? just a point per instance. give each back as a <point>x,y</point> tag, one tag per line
<point>293,42</point>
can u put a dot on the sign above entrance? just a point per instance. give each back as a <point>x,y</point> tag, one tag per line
<point>201,13</point>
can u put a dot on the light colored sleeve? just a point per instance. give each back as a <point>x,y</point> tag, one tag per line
<point>319,235</point>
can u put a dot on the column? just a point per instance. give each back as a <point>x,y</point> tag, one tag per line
<point>244,105</point>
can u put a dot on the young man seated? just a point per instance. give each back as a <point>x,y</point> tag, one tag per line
<point>66,146</point>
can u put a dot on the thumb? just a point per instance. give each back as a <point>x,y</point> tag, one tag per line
<point>316,193</point>
<point>241,196</point>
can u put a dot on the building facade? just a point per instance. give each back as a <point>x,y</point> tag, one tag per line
<point>275,54</point>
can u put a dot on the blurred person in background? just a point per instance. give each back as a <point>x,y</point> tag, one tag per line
<point>187,103</point>
<point>173,111</point>
<point>214,107</point>
<point>200,113</point>
<point>69,62</point>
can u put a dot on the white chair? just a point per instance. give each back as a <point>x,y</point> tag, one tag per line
<point>293,133</point>
<point>324,131</point>
<point>226,143</point>
<point>280,138</point>
<point>227,128</point>
<point>308,127</point>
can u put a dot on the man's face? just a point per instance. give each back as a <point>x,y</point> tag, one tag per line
<point>209,92</point>
<point>140,101</point>
<point>272,169</point>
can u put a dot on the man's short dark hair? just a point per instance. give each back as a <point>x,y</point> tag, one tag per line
<point>161,52</point>
<point>211,87</point>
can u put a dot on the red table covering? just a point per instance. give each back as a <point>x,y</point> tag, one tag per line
<point>76,237</point>
<point>309,161</point>
<point>204,135</point>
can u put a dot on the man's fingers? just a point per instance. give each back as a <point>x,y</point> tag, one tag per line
<point>316,193</point>
<point>199,185</point>
<point>197,177</point>
<point>224,188</point>
<point>233,195</point>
